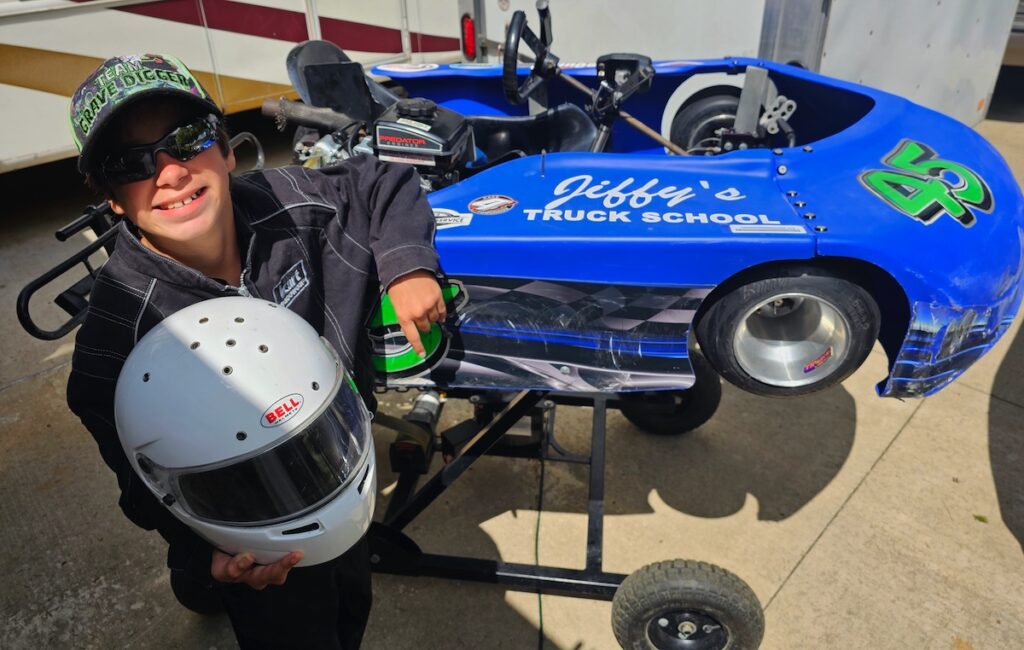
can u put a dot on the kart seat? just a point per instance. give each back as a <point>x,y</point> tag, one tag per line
<point>324,75</point>
<point>562,128</point>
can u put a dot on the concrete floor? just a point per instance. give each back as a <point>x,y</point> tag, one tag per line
<point>859,522</point>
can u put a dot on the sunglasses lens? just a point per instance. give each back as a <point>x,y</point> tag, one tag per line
<point>139,163</point>
<point>129,166</point>
<point>192,139</point>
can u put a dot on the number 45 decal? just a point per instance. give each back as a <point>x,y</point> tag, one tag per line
<point>927,186</point>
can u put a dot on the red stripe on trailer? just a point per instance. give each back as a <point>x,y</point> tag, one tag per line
<point>428,43</point>
<point>360,36</point>
<point>284,25</point>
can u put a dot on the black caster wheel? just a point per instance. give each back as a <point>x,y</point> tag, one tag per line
<point>673,412</point>
<point>686,605</point>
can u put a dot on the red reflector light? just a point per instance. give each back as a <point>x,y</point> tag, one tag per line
<point>468,37</point>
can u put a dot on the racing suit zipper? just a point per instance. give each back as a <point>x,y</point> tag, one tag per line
<point>242,289</point>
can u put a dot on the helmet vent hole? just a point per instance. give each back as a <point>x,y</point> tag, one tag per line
<point>239,319</point>
<point>264,348</point>
<point>241,435</point>
<point>145,377</point>
<point>316,385</point>
<point>195,344</point>
<point>230,343</point>
<point>271,305</point>
<point>204,320</point>
<point>227,370</point>
<point>308,528</point>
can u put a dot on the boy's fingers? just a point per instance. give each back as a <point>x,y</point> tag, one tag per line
<point>272,574</point>
<point>239,565</point>
<point>412,335</point>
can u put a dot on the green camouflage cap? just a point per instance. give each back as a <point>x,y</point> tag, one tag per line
<point>120,81</point>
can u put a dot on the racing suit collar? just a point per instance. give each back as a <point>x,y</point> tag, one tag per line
<point>165,269</point>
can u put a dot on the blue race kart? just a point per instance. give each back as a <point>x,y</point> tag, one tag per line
<point>805,219</point>
<point>745,218</point>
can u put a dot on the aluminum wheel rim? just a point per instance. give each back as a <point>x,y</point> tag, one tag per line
<point>791,340</point>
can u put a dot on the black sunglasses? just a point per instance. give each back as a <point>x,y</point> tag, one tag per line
<point>139,163</point>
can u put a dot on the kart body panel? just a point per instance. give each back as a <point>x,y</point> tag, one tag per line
<point>914,200</point>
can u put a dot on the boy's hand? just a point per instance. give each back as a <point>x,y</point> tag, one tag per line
<point>242,568</point>
<point>416,298</point>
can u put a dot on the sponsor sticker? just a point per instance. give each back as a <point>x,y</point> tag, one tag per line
<point>817,363</point>
<point>281,411</point>
<point>407,158</point>
<point>292,284</point>
<point>492,204</point>
<point>408,67</point>
<point>768,229</point>
<point>413,123</point>
<point>444,218</point>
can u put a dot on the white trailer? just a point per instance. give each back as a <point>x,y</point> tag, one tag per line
<point>944,54</point>
<point>236,47</point>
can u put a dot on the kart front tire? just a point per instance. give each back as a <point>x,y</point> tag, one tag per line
<point>686,604</point>
<point>789,332</point>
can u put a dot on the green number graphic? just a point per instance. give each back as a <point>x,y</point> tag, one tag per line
<point>392,353</point>
<point>927,186</point>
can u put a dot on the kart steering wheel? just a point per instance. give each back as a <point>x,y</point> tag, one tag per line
<point>545,64</point>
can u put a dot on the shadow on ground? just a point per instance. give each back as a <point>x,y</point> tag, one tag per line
<point>1008,96</point>
<point>781,452</point>
<point>1006,438</point>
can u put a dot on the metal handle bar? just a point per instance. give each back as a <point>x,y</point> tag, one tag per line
<point>322,119</point>
<point>76,308</point>
<point>246,136</point>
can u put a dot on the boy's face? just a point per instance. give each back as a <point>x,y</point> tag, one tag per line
<point>156,205</point>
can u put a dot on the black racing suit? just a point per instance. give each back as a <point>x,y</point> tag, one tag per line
<point>322,243</point>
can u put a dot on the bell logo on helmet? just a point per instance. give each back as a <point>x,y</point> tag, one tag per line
<point>281,411</point>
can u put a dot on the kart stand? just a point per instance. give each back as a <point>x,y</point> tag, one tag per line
<point>394,552</point>
<point>664,605</point>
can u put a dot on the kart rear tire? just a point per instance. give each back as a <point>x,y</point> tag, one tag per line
<point>659,603</point>
<point>673,412</point>
<point>699,120</point>
<point>789,332</point>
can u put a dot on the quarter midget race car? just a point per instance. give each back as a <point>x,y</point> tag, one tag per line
<point>806,218</point>
<point>765,218</point>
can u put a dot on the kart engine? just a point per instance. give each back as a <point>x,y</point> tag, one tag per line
<point>435,140</point>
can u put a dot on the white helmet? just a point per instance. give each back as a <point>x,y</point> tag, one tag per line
<point>243,422</point>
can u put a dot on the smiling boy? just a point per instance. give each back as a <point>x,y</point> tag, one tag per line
<point>322,244</point>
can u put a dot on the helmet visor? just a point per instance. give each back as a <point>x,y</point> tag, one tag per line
<point>288,480</point>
